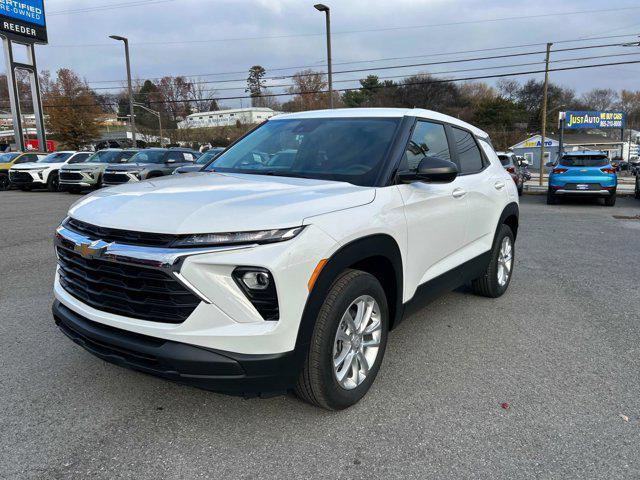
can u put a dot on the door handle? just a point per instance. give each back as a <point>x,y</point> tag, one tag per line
<point>458,193</point>
<point>499,185</point>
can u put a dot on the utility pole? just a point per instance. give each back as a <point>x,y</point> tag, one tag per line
<point>153,112</point>
<point>133,117</point>
<point>323,8</point>
<point>544,112</point>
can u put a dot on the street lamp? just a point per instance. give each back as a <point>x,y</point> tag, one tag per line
<point>126,53</point>
<point>153,112</point>
<point>323,8</point>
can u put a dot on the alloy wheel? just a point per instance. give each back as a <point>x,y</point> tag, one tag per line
<point>357,342</point>
<point>505,261</point>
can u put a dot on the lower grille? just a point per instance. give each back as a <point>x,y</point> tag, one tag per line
<point>115,178</point>
<point>131,291</point>
<point>20,177</point>
<point>70,176</point>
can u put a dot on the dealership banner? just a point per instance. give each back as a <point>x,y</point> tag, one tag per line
<point>579,119</point>
<point>23,20</point>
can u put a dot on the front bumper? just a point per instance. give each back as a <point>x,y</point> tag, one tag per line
<point>80,179</point>
<point>220,371</point>
<point>26,178</point>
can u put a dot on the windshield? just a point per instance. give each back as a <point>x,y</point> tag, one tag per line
<point>505,160</point>
<point>209,155</point>
<point>109,156</point>
<point>59,157</point>
<point>584,161</point>
<point>148,156</point>
<point>8,157</point>
<point>342,149</point>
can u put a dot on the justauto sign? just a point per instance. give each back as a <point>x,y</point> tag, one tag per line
<point>580,119</point>
<point>23,20</point>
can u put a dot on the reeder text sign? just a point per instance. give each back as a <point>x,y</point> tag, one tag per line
<point>23,20</point>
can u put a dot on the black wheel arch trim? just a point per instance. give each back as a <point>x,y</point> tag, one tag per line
<point>349,256</point>
<point>511,211</point>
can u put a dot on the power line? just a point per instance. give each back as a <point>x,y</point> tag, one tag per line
<point>100,8</point>
<point>438,80</point>
<point>494,67</point>
<point>369,30</point>
<point>374,60</point>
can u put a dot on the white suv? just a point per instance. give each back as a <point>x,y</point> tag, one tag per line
<point>284,264</point>
<point>46,171</point>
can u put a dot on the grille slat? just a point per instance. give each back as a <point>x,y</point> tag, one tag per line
<point>127,237</point>
<point>70,175</point>
<point>128,290</point>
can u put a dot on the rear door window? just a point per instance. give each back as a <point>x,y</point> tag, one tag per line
<point>468,151</point>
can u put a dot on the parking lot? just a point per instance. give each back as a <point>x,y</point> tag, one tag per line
<point>542,382</point>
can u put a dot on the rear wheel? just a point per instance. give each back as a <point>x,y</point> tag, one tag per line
<point>551,197</point>
<point>4,182</point>
<point>497,276</point>
<point>53,182</point>
<point>610,201</point>
<point>637,190</point>
<point>348,343</point>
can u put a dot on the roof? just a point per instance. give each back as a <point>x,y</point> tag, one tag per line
<point>381,113</point>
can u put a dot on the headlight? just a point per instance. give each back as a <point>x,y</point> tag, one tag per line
<point>238,238</point>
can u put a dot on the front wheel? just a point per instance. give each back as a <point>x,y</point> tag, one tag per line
<point>496,278</point>
<point>53,182</point>
<point>348,343</point>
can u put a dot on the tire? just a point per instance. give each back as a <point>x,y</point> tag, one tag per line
<point>53,182</point>
<point>610,201</point>
<point>5,184</point>
<point>637,189</point>
<point>490,284</point>
<point>318,383</point>
<point>551,198</point>
<point>521,189</point>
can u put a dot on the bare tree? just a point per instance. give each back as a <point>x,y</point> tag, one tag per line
<point>600,99</point>
<point>202,97</point>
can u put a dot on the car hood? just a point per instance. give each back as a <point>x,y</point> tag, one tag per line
<point>85,166</point>
<point>215,202</point>
<point>34,165</point>
<point>128,167</point>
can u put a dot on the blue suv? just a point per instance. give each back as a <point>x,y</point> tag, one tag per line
<point>584,174</point>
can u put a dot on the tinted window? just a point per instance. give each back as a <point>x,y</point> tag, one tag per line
<point>209,155</point>
<point>149,156</point>
<point>56,157</point>
<point>428,140</point>
<point>505,160</point>
<point>79,158</point>
<point>584,161</point>
<point>8,157</point>
<point>468,151</point>
<point>342,149</point>
<point>29,157</point>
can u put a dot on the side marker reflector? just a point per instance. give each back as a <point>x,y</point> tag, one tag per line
<point>315,273</point>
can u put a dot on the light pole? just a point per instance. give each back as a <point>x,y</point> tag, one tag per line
<point>133,118</point>
<point>153,112</point>
<point>323,8</point>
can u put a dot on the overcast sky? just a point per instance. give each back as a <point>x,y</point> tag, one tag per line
<point>203,37</point>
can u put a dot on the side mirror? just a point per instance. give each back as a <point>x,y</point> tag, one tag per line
<point>432,170</point>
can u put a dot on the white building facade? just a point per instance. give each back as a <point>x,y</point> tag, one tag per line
<point>223,118</point>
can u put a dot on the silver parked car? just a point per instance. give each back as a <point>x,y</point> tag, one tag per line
<point>88,174</point>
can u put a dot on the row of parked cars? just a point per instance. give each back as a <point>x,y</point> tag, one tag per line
<point>75,171</point>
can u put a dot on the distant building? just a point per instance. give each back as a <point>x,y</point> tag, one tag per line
<point>223,118</point>
<point>530,148</point>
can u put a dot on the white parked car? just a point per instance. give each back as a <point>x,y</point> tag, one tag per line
<point>45,172</point>
<point>268,272</point>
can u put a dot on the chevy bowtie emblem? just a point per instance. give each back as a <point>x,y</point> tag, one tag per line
<point>91,249</point>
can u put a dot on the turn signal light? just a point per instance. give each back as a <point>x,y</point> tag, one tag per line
<point>559,170</point>
<point>608,170</point>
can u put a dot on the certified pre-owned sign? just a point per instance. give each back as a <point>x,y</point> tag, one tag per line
<point>23,20</point>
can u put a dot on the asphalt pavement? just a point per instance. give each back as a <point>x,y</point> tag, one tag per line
<point>541,383</point>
